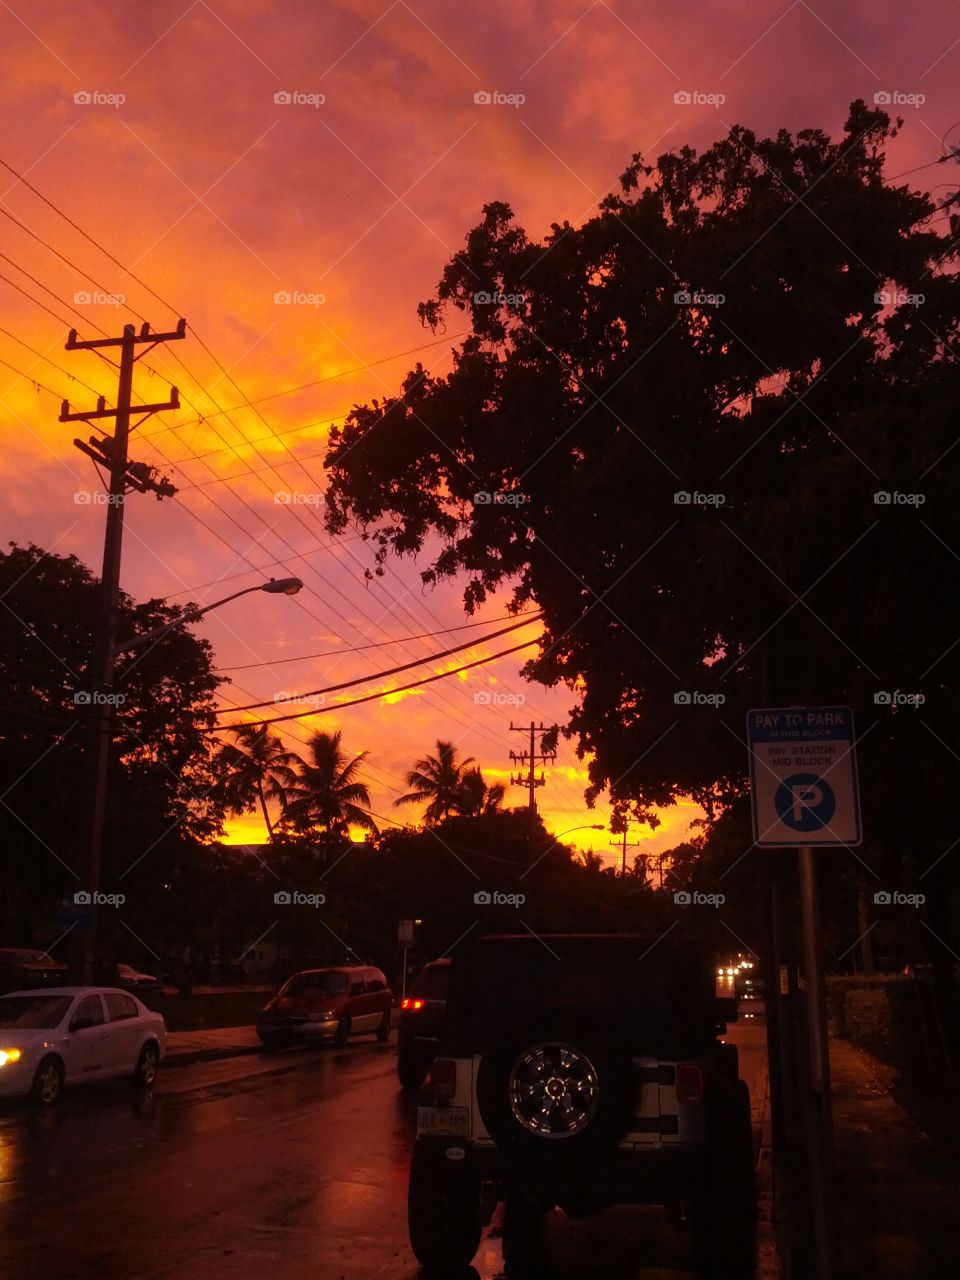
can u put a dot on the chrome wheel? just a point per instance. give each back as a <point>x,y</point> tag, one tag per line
<point>48,1082</point>
<point>553,1090</point>
<point>148,1066</point>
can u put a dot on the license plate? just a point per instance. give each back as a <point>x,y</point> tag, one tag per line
<point>443,1121</point>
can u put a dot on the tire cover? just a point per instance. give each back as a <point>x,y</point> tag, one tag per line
<point>559,1090</point>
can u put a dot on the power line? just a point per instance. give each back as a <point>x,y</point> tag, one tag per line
<point>424,635</point>
<point>305,386</point>
<point>370,697</point>
<point>106,252</point>
<point>59,368</point>
<point>391,671</point>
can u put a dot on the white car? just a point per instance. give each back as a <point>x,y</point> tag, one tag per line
<point>68,1035</point>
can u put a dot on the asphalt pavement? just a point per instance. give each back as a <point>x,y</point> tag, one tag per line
<point>292,1165</point>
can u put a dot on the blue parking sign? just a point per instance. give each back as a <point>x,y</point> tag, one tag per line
<point>803,773</point>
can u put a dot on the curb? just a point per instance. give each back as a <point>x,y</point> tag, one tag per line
<point>770,1261</point>
<point>186,1057</point>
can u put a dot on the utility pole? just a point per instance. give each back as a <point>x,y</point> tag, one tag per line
<point>624,845</point>
<point>529,759</point>
<point>110,452</point>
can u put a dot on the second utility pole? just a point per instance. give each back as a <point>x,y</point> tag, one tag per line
<point>529,759</point>
<point>112,454</point>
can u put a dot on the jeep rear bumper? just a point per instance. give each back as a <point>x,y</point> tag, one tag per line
<point>663,1175</point>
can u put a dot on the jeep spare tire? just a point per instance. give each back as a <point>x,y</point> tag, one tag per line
<point>556,1090</point>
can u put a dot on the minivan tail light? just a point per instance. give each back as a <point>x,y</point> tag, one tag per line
<point>689,1084</point>
<point>407,1003</point>
<point>443,1079</point>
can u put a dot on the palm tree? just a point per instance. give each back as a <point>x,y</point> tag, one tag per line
<point>591,862</point>
<point>437,779</point>
<point>327,797</point>
<point>475,798</point>
<point>258,769</point>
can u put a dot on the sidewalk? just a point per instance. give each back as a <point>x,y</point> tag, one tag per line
<point>897,1194</point>
<point>184,1047</point>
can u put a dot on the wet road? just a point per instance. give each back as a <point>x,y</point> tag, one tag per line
<point>288,1167</point>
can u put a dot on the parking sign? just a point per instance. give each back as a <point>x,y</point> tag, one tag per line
<point>804,776</point>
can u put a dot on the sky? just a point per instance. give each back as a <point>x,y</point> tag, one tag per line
<point>292,178</point>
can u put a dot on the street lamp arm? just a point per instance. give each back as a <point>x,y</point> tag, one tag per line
<point>283,586</point>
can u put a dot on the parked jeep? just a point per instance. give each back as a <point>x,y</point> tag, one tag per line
<point>582,1071</point>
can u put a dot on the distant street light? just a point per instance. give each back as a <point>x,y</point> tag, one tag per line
<point>102,708</point>
<point>590,826</point>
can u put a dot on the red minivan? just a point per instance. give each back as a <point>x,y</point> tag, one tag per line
<point>327,1004</point>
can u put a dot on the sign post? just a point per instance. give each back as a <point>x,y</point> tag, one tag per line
<point>804,793</point>
<point>405,938</point>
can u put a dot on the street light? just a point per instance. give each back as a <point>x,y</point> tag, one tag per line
<point>590,826</point>
<point>276,586</point>
<point>102,706</point>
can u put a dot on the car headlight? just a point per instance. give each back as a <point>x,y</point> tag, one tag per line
<point>9,1055</point>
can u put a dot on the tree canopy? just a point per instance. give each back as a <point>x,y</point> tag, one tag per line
<point>708,431</point>
<point>163,797</point>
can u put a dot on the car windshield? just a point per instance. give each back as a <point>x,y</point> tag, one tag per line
<point>41,1012</point>
<point>324,983</point>
<point>432,983</point>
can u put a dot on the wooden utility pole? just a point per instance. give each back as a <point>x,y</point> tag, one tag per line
<point>528,760</point>
<point>624,845</point>
<point>110,452</point>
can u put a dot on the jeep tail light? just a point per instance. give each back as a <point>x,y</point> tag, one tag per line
<point>443,1079</point>
<point>689,1084</point>
<point>407,1003</point>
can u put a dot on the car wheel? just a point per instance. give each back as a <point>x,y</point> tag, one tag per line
<point>269,1044</point>
<point>385,1027</point>
<point>724,1213</point>
<point>342,1032</point>
<point>562,1091</point>
<point>48,1082</point>
<point>412,1074</point>
<point>443,1211</point>
<point>148,1064</point>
